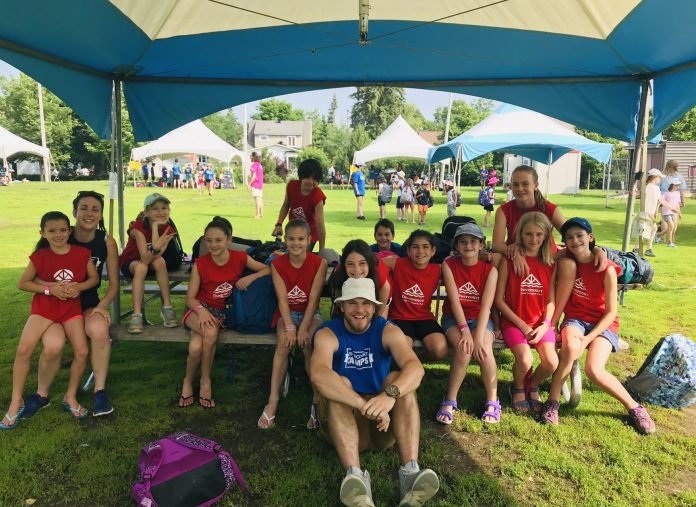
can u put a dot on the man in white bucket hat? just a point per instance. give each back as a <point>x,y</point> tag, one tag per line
<point>362,405</point>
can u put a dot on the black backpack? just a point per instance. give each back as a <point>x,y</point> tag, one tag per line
<point>199,247</point>
<point>634,268</point>
<point>443,240</point>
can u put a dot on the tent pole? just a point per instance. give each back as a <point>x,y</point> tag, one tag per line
<point>245,147</point>
<point>635,160</point>
<point>42,126</point>
<point>119,161</point>
<point>548,172</point>
<point>447,128</point>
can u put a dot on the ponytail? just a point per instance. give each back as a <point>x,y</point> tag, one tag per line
<point>221,223</point>
<point>540,201</point>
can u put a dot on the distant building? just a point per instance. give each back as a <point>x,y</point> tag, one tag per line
<point>431,136</point>
<point>283,139</point>
<point>683,152</point>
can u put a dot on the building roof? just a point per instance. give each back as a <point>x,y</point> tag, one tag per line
<point>282,128</point>
<point>430,136</point>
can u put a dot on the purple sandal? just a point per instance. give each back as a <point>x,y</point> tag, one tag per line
<point>495,414</point>
<point>446,413</point>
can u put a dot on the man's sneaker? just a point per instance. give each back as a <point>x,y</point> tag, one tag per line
<point>102,403</point>
<point>33,404</point>
<point>136,324</point>
<point>649,253</point>
<point>356,490</point>
<point>549,414</point>
<point>641,420</point>
<point>417,487</point>
<point>169,317</point>
<point>671,245</point>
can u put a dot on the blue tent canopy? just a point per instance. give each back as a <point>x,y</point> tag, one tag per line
<point>582,61</point>
<point>516,130</point>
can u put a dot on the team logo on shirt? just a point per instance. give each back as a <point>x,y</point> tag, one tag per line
<point>579,289</point>
<point>63,275</point>
<point>299,213</point>
<point>97,264</point>
<point>468,292</point>
<point>222,291</point>
<point>531,286</point>
<point>414,295</point>
<point>358,359</point>
<point>296,296</point>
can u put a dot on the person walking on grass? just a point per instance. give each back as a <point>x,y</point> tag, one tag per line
<point>66,270</point>
<point>362,405</point>
<point>671,213</point>
<point>212,279</point>
<point>470,284</point>
<point>653,200</point>
<point>408,195</point>
<point>358,181</point>
<point>256,184</point>
<point>526,304</point>
<point>89,232</point>
<point>424,201</point>
<point>149,237</point>
<point>298,279</point>
<point>588,299</point>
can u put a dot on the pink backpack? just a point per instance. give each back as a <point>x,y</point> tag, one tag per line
<point>184,470</point>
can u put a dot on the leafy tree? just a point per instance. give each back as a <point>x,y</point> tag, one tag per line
<point>376,107</point>
<point>278,110</point>
<point>413,116</point>
<point>591,166</point>
<point>316,153</point>
<point>464,115</point>
<point>319,127</point>
<point>358,140</point>
<point>337,145</point>
<point>331,115</point>
<point>226,126</point>
<point>683,129</point>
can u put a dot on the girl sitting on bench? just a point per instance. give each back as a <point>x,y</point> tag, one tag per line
<point>591,322</point>
<point>298,278</point>
<point>212,279</point>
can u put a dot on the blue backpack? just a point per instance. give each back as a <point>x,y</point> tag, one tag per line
<point>483,198</point>
<point>668,376</point>
<point>251,311</point>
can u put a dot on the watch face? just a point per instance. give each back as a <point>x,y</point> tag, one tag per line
<point>392,391</point>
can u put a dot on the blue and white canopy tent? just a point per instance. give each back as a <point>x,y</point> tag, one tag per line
<point>587,62</point>
<point>512,129</point>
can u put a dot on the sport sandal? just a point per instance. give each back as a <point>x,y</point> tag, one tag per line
<point>521,405</point>
<point>448,414</point>
<point>495,414</point>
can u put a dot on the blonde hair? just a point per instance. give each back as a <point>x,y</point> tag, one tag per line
<point>671,168</point>
<point>539,219</point>
<point>539,199</point>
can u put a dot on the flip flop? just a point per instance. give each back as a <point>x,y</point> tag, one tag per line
<point>446,413</point>
<point>270,424</point>
<point>14,420</point>
<point>313,422</point>
<point>184,401</point>
<point>495,414</point>
<point>210,401</point>
<point>76,413</point>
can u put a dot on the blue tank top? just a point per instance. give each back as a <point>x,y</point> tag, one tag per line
<point>361,358</point>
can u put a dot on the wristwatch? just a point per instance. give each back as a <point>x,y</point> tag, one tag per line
<point>153,249</point>
<point>392,391</point>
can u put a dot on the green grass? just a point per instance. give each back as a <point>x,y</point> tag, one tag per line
<point>593,458</point>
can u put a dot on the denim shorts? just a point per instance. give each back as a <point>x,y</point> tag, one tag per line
<point>448,321</point>
<point>586,327</point>
<point>298,316</point>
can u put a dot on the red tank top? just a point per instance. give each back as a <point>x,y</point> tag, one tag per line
<point>513,213</point>
<point>470,282</point>
<point>298,281</point>
<point>302,206</point>
<point>527,295</point>
<point>218,281</point>
<point>588,300</point>
<point>413,291</point>
<point>131,253</point>
<point>383,277</point>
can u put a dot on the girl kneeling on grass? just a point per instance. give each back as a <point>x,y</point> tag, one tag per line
<point>527,303</point>
<point>67,271</point>
<point>298,278</point>
<point>212,279</point>
<point>149,236</point>
<point>414,282</point>
<point>470,285</point>
<point>589,300</point>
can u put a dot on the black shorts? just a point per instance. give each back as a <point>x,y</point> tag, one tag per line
<point>175,177</point>
<point>380,202</point>
<point>208,181</point>
<point>418,329</point>
<point>488,207</point>
<point>125,270</point>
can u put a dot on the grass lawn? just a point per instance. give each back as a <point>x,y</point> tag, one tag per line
<point>593,458</point>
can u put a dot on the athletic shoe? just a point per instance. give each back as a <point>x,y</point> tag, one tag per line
<point>650,253</point>
<point>635,250</point>
<point>356,490</point>
<point>549,414</point>
<point>671,245</point>
<point>641,420</point>
<point>169,317</point>
<point>102,404</point>
<point>136,324</point>
<point>33,404</point>
<point>417,487</point>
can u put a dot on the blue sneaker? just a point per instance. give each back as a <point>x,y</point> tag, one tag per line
<point>33,404</point>
<point>102,404</point>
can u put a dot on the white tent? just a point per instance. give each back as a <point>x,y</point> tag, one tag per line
<point>11,144</point>
<point>397,140</point>
<point>193,137</point>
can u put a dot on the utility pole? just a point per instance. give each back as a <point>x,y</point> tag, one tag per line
<point>245,156</point>
<point>42,124</point>
<point>447,128</point>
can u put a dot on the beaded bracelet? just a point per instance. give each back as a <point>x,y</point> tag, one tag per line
<point>463,327</point>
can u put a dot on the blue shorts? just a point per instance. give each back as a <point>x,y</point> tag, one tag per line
<point>448,321</point>
<point>298,316</point>
<point>586,327</point>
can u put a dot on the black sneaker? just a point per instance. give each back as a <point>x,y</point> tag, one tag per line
<point>33,404</point>
<point>102,404</point>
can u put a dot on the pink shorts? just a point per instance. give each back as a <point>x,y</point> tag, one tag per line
<point>513,337</point>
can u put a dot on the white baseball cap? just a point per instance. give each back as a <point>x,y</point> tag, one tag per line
<point>655,172</point>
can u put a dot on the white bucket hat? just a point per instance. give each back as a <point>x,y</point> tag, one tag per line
<point>355,288</point>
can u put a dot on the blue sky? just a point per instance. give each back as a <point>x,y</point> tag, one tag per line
<point>426,100</point>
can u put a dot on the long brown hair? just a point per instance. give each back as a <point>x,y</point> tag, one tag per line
<point>539,200</point>
<point>671,168</point>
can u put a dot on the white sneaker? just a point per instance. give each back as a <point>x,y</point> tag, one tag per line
<point>671,245</point>
<point>417,487</point>
<point>356,490</point>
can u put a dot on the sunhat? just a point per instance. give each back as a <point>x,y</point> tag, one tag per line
<point>354,288</point>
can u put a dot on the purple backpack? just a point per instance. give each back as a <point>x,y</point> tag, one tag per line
<point>184,470</point>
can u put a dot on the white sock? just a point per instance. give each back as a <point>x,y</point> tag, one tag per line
<point>354,470</point>
<point>411,467</point>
